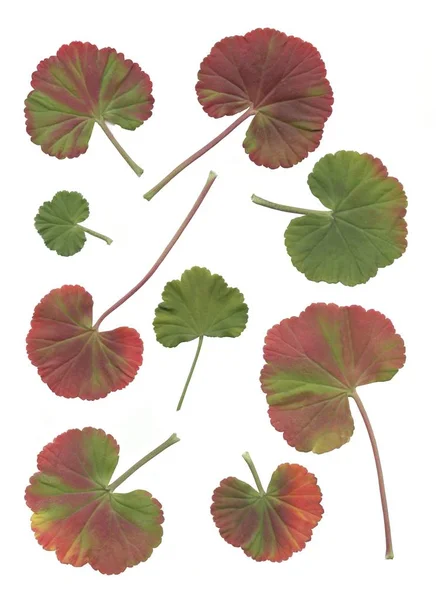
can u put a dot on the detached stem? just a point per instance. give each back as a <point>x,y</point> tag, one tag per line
<point>138,170</point>
<point>97,235</point>
<point>381,483</point>
<point>191,372</point>
<point>246,456</point>
<point>285,208</point>
<point>169,442</point>
<point>154,268</point>
<point>149,195</point>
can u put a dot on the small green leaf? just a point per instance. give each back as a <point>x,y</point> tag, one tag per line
<point>198,305</point>
<point>58,221</point>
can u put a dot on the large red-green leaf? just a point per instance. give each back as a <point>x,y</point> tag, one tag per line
<point>75,359</point>
<point>76,512</point>
<point>282,80</point>
<point>79,86</point>
<point>269,525</point>
<point>315,362</point>
<point>279,81</point>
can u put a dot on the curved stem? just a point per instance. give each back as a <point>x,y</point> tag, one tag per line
<point>97,235</point>
<point>154,268</point>
<point>138,170</point>
<point>150,194</point>
<point>173,439</point>
<point>188,381</point>
<point>289,209</point>
<point>246,456</point>
<point>381,483</point>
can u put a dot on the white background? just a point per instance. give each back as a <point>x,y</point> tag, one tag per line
<point>380,62</point>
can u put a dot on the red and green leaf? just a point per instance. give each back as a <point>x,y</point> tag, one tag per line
<point>315,363</point>
<point>280,82</point>
<point>75,359</point>
<point>80,86</point>
<point>76,512</point>
<point>269,525</point>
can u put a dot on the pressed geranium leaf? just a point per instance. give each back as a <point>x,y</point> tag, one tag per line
<point>75,359</point>
<point>79,87</point>
<point>280,82</point>
<point>76,512</point>
<point>362,230</point>
<point>195,306</point>
<point>58,221</point>
<point>272,524</point>
<point>315,363</point>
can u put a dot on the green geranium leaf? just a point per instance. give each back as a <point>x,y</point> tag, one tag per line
<point>58,221</point>
<point>195,306</point>
<point>362,230</point>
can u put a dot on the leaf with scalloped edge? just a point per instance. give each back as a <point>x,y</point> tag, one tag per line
<point>196,306</point>
<point>269,525</point>
<point>280,82</point>
<point>75,359</point>
<point>315,363</point>
<point>57,222</point>
<point>76,512</point>
<point>80,86</point>
<point>363,229</point>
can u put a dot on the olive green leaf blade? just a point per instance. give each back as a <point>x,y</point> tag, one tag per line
<point>58,221</point>
<point>196,306</point>
<point>365,228</point>
<point>199,304</point>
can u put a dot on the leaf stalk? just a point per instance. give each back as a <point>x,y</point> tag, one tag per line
<point>151,193</point>
<point>389,549</point>
<point>211,178</point>
<point>173,439</point>
<point>97,235</point>
<point>136,168</point>
<point>284,208</point>
<point>246,456</point>
<point>191,372</point>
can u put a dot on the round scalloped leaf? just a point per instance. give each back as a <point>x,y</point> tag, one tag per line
<point>77,516</point>
<point>58,220</point>
<point>270,526</point>
<point>78,87</point>
<point>196,305</point>
<point>315,362</point>
<point>73,358</point>
<point>365,228</point>
<point>282,79</point>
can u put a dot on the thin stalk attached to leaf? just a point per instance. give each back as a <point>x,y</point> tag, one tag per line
<point>285,208</point>
<point>191,372</point>
<point>138,170</point>
<point>381,483</point>
<point>246,456</point>
<point>173,439</point>
<point>96,234</point>
<point>150,194</point>
<point>172,242</point>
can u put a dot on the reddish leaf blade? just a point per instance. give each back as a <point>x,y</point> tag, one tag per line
<point>314,362</point>
<point>75,514</point>
<point>273,526</point>
<point>282,79</point>
<point>79,86</point>
<point>73,358</point>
